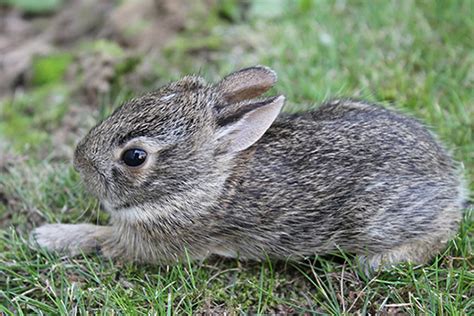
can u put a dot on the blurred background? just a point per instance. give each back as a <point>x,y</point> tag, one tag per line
<point>64,65</point>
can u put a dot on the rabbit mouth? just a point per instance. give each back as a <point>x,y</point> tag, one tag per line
<point>96,183</point>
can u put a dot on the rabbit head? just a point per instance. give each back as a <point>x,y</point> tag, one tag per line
<point>178,141</point>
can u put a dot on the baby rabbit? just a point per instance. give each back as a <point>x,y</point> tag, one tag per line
<point>195,169</point>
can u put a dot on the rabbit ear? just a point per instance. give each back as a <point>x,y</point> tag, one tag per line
<point>241,129</point>
<point>247,83</point>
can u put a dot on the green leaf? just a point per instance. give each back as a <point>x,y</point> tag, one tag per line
<point>50,69</point>
<point>35,6</point>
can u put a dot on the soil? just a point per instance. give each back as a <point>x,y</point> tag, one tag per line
<point>139,27</point>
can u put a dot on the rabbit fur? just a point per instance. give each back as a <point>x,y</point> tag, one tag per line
<point>226,175</point>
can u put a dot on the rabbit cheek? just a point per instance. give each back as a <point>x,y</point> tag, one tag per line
<point>129,177</point>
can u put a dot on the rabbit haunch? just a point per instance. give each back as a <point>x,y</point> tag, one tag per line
<point>226,174</point>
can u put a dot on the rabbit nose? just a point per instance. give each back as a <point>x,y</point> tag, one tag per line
<point>77,161</point>
<point>80,162</point>
<point>84,166</point>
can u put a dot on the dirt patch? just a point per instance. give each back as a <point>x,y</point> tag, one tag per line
<point>20,40</point>
<point>139,27</point>
<point>75,124</point>
<point>148,25</point>
<point>103,43</point>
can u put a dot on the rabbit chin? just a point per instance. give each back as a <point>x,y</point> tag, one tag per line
<point>135,214</point>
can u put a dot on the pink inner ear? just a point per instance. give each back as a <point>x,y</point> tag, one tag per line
<point>247,83</point>
<point>242,133</point>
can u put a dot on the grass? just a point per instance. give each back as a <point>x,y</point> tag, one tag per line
<point>417,56</point>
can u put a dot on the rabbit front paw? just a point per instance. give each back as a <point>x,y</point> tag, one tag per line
<point>69,239</point>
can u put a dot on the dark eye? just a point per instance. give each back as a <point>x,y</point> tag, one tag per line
<point>134,157</point>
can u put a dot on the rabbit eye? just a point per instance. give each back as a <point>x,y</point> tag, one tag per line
<point>134,157</point>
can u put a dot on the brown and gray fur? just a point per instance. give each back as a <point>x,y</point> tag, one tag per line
<point>220,180</point>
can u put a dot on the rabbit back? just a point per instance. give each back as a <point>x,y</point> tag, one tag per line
<point>348,174</point>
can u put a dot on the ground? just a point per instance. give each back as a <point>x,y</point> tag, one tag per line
<point>58,78</point>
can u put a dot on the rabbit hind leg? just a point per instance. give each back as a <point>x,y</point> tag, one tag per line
<point>416,253</point>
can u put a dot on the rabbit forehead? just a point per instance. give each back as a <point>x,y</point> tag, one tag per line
<point>166,117</point>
